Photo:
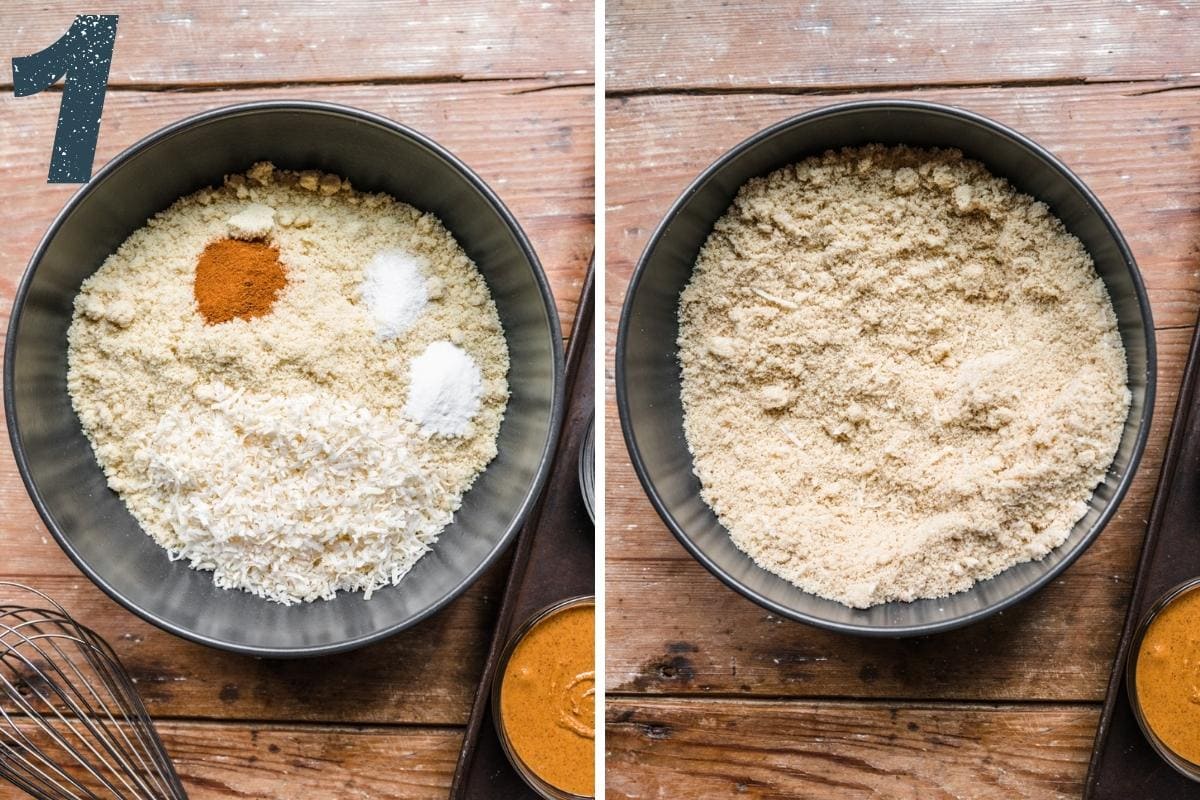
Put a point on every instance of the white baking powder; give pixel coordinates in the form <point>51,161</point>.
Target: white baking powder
<point>394,290</point>
<point>444,389</point>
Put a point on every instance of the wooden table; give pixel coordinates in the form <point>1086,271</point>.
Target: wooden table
<point>507,88</point>
<point>711,696</point>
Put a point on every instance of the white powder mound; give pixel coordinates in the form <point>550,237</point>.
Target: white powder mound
<point>900,376</point>
<point>394,289</point>
<point>290,498</point>
<point>254,221</point>
<point>444,390</point>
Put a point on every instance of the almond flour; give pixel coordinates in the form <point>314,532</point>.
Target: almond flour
<point>900,376</point>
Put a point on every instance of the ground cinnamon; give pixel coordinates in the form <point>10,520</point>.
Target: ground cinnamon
<point>236,279</point>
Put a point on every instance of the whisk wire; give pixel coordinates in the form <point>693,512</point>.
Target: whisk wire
<point>30,749</point>
<point>106,666</point>
<point>18,767</point>
<point>81,714</point>
<point>37,784</point>
<point>85,727</point>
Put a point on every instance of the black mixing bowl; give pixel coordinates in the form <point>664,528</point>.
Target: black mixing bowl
<point>56,462</point>
<point>647,366</point>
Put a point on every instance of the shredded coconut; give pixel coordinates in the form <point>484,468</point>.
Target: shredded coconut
<point>275,451</point>
<point>394,290</point>
<point>900,376</point>
<point>443,393</point>
<point>292,498</point>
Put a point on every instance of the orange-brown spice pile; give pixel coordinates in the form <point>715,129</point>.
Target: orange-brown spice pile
<point>236,279</point>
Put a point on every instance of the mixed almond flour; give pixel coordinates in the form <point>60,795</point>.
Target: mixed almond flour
<point>900,375</point>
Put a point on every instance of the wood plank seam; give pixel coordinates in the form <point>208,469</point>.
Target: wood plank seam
<point>834,699</point>
<point>296,726</point>
<point>701,90</point>
<point>853,702</point>
<point>437,80</point>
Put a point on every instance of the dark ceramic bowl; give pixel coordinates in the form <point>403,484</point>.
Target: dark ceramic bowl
<point>647,367</point>
<point>56,462</point>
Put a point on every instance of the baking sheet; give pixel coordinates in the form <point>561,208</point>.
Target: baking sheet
<point>1123,765</point>
<point>554,559</point>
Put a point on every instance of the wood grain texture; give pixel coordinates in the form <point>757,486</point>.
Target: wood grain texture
<point>425,675</point>
<point>769,750</point>
<point>828,44</point>
<point>287,762</point>
<point>225,43</point>
<point>530,140</point>
<point>717,698</point>
<point>283,762</point>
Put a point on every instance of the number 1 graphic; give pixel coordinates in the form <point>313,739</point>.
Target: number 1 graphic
<point>83,54</point>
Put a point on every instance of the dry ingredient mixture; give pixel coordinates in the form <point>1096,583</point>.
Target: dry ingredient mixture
<point>248,396</point>
<point>900,376</point>
<point>548,699</point>
<point>1167,676</point>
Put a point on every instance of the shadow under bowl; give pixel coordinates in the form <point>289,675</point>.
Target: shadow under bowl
<point>56,461</point>
<point>648,374</point>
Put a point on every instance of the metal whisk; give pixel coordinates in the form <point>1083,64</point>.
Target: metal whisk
<point>72,725</point>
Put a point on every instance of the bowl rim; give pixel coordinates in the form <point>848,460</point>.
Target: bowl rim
<point>587,468</point>
<point>684,199</point>
<point>534,490</point>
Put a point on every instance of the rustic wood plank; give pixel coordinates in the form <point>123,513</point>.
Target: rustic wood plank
<point>221,42</point>
<point>681,45</point>
<point>672,628</point>
<point>1136,151</point>
<point>762,749</point>
<point>425,675</point>
<point>281,762</point>
<point>686,654</point>
<point>535,148</point>
<point>285,762</point>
